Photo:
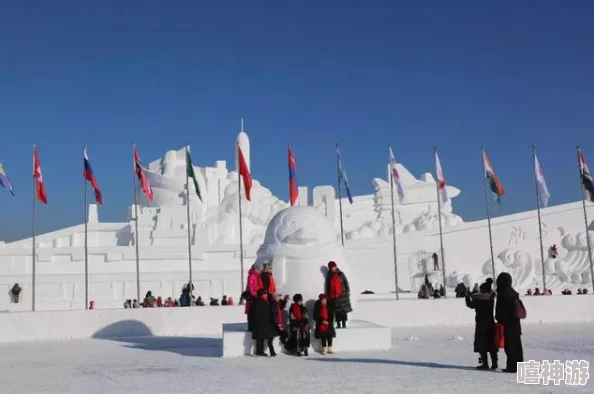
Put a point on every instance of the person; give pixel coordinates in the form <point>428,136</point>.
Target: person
<point>484,331</point>
<point>460,290</point>
<point>475,289</point>
<point>435,262</point>
<point>128,304</point>
<point>185,299</point>
<point>230,301</point>
<point>159,302</point>
<point>506,314</point>
<point>149,300</point>
<point>254,283</point>
<point>299,339</point>
<point>428,284</point>
<point>263,325</point>
<point>267,279</point>
<point>16,293</point>
<point>537,292</point>
<point>338,292</point>
<point>199,301</point>
<point>135,304</point>
<point>92,305</point>
<point>277,316</point>
<point>214,301</point>
<point>529,292</point>
<point>442,291</point>
<point>324,318</point>
<point>285,301</point>
<point>224,301</point>
<point>554,252</point>
<point>423,292</point>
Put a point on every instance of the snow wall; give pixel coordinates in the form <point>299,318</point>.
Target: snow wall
<point>207,321</point>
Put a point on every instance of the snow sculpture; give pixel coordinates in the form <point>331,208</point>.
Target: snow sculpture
<point>300,242</point>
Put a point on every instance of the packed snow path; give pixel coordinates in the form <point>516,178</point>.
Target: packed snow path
<point>426,360</point>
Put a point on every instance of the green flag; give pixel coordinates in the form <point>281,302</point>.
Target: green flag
<point>190,173</point>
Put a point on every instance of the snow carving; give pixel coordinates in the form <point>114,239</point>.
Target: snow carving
<point>300,242</point>
<point>516,235</point>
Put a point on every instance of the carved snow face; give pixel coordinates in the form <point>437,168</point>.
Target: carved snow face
<point>300,226</point>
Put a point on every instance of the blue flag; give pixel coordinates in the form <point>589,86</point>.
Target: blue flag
<point>5,181</point>
<point>342,176</point>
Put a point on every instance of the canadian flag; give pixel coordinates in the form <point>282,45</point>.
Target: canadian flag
<point>39,186</point>
<point>441,185</point>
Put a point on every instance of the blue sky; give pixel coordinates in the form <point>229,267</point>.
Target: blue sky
<point>310,73</point>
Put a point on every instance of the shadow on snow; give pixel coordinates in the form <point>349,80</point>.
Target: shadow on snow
<point>136,335</point>
<point>393,362</point>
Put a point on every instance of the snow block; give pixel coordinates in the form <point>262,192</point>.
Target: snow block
<point>360,335</point>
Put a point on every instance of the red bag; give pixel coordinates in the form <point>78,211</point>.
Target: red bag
<point>499,336</point>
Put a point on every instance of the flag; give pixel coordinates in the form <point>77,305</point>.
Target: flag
<point>5,180</point>
<point>139,170</point>
<point>39,186</point>
<point>244,172</point>
<point>396,176</point>
<point>441,185</point>
<point>293,191</point>
<point>586,177</point>
<point>491,177</point>
<point>342,176</point>
<point>541,185</point>
<point>190,173</point>
<point>90,177</point>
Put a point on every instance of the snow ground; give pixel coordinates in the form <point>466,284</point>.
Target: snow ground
<point>422,360</point>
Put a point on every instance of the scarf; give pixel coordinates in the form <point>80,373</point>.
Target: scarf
<point>335,286</point>
<point>324,317</point>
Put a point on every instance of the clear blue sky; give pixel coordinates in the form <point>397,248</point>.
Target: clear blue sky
<point>310,73</point>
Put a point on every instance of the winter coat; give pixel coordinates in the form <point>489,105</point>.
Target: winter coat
<point>254,283</point>
<point>184,300</point>
<point>343,303</point>
<point>460,290</point>
<point>295,323</point>
<point>484,330</point>
<point>268,282</point>
<point>505,310</point>
<point>331,333</point>
<point>263,325</point>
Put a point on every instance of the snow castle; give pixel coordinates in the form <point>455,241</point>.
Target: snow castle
<point>368,253</point>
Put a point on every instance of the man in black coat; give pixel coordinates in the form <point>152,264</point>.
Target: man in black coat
<point>484,331</point>
<point>505,313</point>
<point>264,327</point>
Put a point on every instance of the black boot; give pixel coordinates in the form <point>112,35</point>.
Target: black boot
<point>344,324</point>
<point>484,362</point>
<point>494,359</point>
<point>305,352</point>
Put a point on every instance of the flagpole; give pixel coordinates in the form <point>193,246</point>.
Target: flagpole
<point>190,283</point>
<point>586,220</point>
<point>240,219</point>
<point>394,230</point>
<point>488,216</point>
<point>86,242</point>
<point>134,175</point>
<point>339,196</point>
<point>443,270</point>
<point>542,259</point>
<point>33,257</point>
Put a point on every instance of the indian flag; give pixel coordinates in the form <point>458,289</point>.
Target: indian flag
<point>490,177</point>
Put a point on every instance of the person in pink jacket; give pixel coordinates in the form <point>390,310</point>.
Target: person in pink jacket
<point>254,283</point>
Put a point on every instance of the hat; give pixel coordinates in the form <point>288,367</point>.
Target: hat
<point>322,296</point>
<point>331,265</point>
<point>258,266</point>
<point>267,264</point>
<point>297,297</point>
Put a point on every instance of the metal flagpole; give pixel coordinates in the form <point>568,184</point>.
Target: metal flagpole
<point>586,220</point>
<point>86,244</point>
<point>542,259</point>
<point>190,283</point>
<point>443,270</point>
<point>33,257</point>
<point>136,225</point>
<point>488,215</point>
<point>393,229</point>
<point>339,195</point>
<point>240,220</point>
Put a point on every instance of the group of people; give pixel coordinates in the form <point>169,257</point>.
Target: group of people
<point>266,318</point>
<point>150,301</point>
<point>509,310</point>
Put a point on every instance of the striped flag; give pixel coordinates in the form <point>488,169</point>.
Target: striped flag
<point>342,176</point>
<point>543,190</point>
<point>490,177</point>
<point>142,179</point>
<point>396,176</point>
<point>90,177</point>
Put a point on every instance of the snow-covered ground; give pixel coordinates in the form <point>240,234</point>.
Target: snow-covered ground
<point>422,360</point>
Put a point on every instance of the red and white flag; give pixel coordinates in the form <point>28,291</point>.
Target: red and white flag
<point>396,176</point>
<point>39,186</point>
<point>441,185</point>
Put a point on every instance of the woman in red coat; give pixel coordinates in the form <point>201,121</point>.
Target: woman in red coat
<point>324,317</point>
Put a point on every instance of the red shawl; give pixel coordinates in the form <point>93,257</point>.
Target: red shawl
<point>296,311</point>
<point>335,286</point>
<point>324,316</point>
<point>272,285</point>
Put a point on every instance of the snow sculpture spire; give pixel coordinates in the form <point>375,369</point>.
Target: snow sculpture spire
<point>243,142</point>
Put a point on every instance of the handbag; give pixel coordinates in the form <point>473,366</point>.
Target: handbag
<point>520,309</point>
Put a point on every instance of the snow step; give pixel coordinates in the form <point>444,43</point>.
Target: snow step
<point>360,335</point>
